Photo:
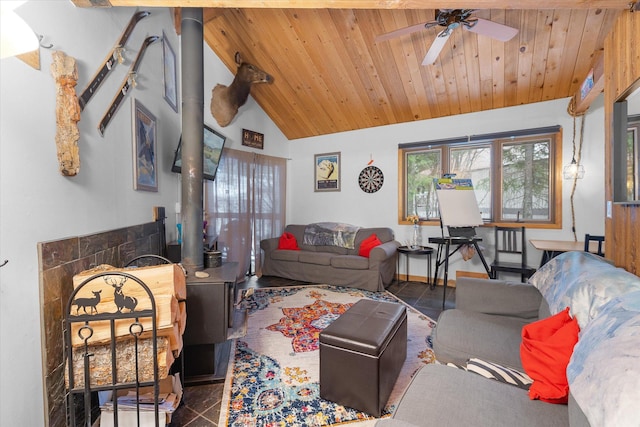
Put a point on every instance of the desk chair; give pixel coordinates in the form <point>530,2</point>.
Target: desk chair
<point>510,242</point>
<point>588,238</point>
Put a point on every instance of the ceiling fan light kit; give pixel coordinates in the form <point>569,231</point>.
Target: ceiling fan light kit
<point>452,19</point>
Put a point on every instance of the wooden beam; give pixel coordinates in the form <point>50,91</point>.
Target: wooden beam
<point>591,87</point>
<point>365,4</point>
<point>208,14</point>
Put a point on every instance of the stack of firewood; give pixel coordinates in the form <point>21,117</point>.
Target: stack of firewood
<point>119,294</point>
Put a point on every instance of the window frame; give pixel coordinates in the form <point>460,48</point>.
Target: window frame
<point>496,141</point>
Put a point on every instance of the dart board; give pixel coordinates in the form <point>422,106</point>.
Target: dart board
<point>370,179</point>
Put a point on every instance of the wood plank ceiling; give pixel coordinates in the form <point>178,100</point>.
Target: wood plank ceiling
<point>331,76</point>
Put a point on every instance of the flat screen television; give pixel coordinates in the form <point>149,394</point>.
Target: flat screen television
<point>213,145</point>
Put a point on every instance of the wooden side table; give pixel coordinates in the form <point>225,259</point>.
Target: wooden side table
<point>422,251</point>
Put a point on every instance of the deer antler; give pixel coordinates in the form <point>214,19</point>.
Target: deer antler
<point>112,281</point>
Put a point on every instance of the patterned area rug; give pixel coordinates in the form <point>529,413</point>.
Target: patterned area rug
<point>273,374</point>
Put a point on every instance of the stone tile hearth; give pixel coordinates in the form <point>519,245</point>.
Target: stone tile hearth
<point>59,261</point>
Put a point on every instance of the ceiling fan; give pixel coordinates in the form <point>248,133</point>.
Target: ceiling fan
<point>452,19</point>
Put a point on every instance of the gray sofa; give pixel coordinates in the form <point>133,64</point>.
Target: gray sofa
<point>334,265</point>
<point>603,372</point>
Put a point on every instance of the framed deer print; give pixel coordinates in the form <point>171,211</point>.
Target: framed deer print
<point>170,73</point>
<point>145,170</point>
<point>327,172</point>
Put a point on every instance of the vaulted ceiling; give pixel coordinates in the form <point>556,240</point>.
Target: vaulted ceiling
<point>331,76</point>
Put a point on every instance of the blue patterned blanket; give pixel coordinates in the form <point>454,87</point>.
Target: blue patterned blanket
<point>604,370</point>
<point>331,234</point>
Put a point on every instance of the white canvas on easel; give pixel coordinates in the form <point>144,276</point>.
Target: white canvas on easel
<point>459,207</point>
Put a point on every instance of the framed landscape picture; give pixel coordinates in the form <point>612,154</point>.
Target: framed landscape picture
<point>170,73</point>
<point>327,172</point>
<point>145,167</point>
<point>213,147</point>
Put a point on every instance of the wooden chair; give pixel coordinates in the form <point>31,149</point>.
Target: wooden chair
<point>510,243</point>
<point>588,238</point>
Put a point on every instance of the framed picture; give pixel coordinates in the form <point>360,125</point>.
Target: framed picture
<point>213,146</point>
<point>170,73</point>
<point>145,167</point>
<point>327,172</point>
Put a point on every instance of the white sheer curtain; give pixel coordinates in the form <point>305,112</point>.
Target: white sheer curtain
<point>245,204</point>
<point>269,202</point>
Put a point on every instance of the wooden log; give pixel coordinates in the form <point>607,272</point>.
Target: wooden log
<point>100,362</point>
<point>161,279</point>
<point>175,339</point>
<point>119,294</point>
<point>65,73</point>
<point>182,321</point>
<point>101,329</point>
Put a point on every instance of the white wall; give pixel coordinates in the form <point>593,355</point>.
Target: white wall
<point>38,204</point>
<point>354,206</point>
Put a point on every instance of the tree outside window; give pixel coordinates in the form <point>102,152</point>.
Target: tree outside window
<point>515,178</point>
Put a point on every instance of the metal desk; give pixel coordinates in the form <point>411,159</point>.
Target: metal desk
<point>422,250</point>
<point>443,254</point>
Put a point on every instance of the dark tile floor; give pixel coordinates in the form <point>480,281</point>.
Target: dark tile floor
<point>201,403</point>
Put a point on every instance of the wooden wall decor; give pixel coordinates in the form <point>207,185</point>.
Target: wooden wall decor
<point>65,72</point>
<point>622,69</point>
<point>252,139</point>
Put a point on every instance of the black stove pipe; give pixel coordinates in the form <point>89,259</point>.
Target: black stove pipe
<point>192,139</point>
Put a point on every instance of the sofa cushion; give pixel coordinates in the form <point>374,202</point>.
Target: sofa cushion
<point>319,258</point>
<point>351,262</point>
<point>385,234</point>
<point>498,297</point>
<point>288,241</point>
<point>604,371</point>
<point>460,335</point>
<point>439,395</point>
<point>496,372</point>
<point>582,281</point>
<point>285,255</point>
<point>500,373</point>
<point>368,244</point>
<point>297,230</point>
<point>545,351</point>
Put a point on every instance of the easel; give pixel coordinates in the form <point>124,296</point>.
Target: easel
<point>460,213</point>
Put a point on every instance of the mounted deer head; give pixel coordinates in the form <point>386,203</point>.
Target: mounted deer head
<point>225,100</point>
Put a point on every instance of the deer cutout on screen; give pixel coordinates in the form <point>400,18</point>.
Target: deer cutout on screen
<point>225,100</point>
<point>88,302</point>
<point>120,299</point>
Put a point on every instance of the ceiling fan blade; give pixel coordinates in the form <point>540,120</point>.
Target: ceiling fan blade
<point>401,32</point>
<point>436,47</point>
<point>492,29</point>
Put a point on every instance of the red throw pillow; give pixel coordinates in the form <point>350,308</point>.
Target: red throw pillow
<point>288,241</point>
<point>368,244</point>
<point>545,351</point>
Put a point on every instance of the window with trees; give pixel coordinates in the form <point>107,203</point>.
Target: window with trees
<point>516,175</point>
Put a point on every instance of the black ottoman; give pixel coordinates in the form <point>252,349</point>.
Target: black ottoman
<point>361,355</point>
